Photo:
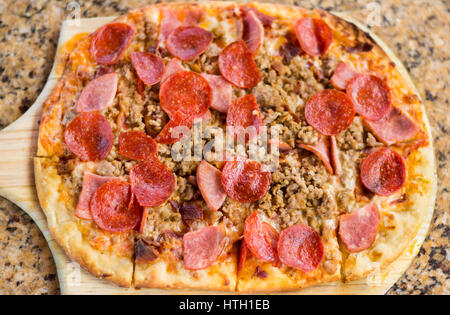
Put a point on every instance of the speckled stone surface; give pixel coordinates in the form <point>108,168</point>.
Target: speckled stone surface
<point>416,30</point>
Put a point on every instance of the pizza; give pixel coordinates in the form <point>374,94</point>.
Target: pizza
<point>233,147</point>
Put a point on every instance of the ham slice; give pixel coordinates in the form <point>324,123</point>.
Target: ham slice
<point>172,19</point>
<point>91,183</point>
<point>342,75</point>
<point>335,161</point>
<point>203,247</point>
<point>253,34</point>
<point>222,92</point>
<point>209,183</point>
<point>358,229</point>
<point>98,94</point>
<point>394,127</point>
<point>322,149</point>
<point>172,67</point>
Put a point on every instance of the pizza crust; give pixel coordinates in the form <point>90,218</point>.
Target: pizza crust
<point>65,229</point>
<point>401,222</point>
<point>166,275</point>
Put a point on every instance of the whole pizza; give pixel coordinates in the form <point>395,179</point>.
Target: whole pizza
<point>235,147</point>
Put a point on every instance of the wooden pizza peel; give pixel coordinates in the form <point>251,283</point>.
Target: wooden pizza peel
<point>18,144</point>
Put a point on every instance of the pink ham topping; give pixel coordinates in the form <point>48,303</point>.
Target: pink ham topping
<point>394,127</point>
<point>98,94</point>
<point>91,183</point>
<point>222,92</point>
<point>172,67</point>
<point>322,150</point>
<point>342,75</point>
<point>203,247</point>
<point>253,34</point>
<point>209,182</point>
<point>358,229</point>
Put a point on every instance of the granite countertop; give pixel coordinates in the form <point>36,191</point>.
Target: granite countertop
<point>416,30</point>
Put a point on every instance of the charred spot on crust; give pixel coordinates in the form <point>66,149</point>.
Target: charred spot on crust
<point>145,251</point>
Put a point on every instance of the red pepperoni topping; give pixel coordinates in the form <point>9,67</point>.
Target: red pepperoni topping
<point>383,172</point>
<point>152,183</point>
<point>358,229</point>
<point>110,41</point>
<point>260,238</point>
<point>89,136</point>
<point>91,183</point>
<point>177,127</point>
<point>98,94</point>
<point>236,64</point>
<point>203,247</point>
<point>342,76</point>
<point>314,36</point>
<point>245,116</point>
<point>210,185</point>
<point>137,145</point>
<point>329,112</point>
<point>253,34</point>
<point>244,180</point>
<point>185,92</point>
<point>112,208</point>
<point>370,96</point>
<point>300,247</point>
<point>149,68</point>
<point>188,42</point>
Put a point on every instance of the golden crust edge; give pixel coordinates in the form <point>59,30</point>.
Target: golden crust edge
<point>117,270</point>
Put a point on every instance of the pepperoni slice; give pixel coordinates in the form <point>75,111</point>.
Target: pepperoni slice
<point>98,94</point>
<point>188,42</point>
<point>383,172</point>
<point>89,136</point>
<point>137,145</point>
<point>300,247</point>
<point>152,183</point>
<point>177,127</point>
<point>236,64</point>
<point>342,75</point>
<point>329,112</point>
<point>149,67</point>
<point>260,238</point>
<point>358,229</point>
<point>203,247</point>
<point>185,92</point>
<point>253,34</point>
<point>210,185</point>
<point>222,92</point>
<point>314,36</point>
<point>91,183</point>
<point>110,41</point>
<point>370,96</point>
<point>244,180</point>
<point>112,209</point>
<point>245,116</point>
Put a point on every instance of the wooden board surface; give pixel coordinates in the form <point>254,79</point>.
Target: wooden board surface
<point>17,150</point>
